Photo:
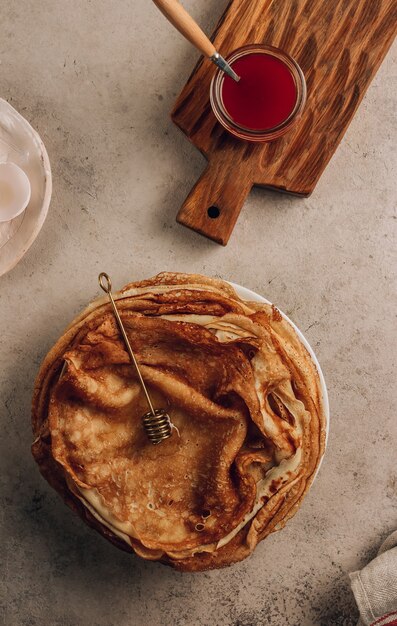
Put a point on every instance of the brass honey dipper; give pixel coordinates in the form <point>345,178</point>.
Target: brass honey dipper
<point>156,422</point>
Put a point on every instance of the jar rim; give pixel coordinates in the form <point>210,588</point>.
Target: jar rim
<point>244,132</point>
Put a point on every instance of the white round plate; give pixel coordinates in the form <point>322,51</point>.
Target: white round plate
<point>20,144</point>
<point>247,294</point>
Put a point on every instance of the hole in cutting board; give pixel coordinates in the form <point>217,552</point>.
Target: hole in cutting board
<point>213,212</point>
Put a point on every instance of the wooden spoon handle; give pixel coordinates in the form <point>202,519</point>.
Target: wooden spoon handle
<point>180,18</point>
<point>215,202</point>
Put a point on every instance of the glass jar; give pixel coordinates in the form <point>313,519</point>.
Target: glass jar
<point>273,70</point>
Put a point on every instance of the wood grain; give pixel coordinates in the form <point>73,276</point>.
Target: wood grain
<point>339,45</point>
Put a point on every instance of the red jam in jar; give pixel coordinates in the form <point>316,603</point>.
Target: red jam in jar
<point>264,97</point>
<point>266,101</point>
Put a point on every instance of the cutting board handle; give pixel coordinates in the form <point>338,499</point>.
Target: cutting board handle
<point>215,202</point>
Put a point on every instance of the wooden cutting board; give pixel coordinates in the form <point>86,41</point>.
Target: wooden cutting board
<point>339,45</point>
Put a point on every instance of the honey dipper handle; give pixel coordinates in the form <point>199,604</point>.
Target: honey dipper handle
<point>106,285</point>
<point>180,18</point>
<point>215,202</point>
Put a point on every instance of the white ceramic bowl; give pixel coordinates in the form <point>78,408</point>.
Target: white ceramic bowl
<point>14,191</point>
<point>20,144</point>
<point>247,294</point>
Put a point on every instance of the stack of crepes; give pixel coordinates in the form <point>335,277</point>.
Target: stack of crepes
<point>241,390</point>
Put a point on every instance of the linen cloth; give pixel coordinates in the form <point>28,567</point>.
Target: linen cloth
<point>375,587</point>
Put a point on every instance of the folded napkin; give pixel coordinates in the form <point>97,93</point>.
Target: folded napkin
<point>375,587</point>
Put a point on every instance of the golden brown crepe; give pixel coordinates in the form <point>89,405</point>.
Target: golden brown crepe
<point>242,391</point>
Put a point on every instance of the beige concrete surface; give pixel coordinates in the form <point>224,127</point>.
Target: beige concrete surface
<point>97,79</point>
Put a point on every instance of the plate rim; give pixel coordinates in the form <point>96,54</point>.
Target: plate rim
<point>48,187</point>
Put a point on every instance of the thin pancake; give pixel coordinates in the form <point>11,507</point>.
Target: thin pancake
<point>242,391</point>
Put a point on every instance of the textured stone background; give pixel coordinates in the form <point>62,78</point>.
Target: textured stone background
<point>97,79</point>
